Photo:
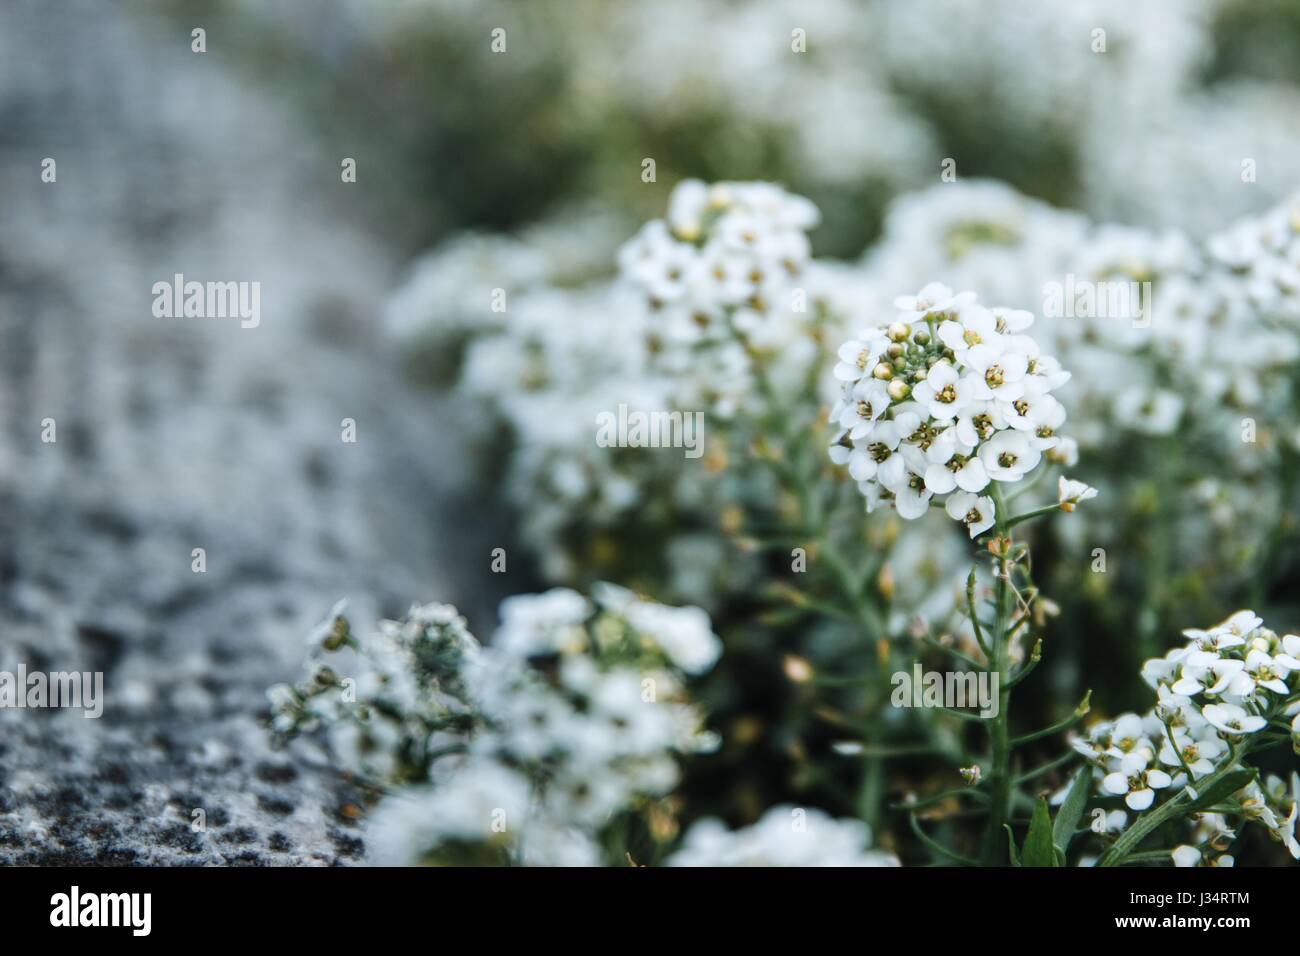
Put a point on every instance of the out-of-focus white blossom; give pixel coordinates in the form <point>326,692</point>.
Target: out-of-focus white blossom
<point>785,836</point>
<point>521,751</point>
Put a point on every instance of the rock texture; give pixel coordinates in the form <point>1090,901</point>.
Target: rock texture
<point>176,434</point>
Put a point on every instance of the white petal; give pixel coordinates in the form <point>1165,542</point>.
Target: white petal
<point>1115,783</point>
<point>1140,799</point>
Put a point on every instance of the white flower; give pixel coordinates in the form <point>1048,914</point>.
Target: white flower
<point>867,402</point>
<point>327,632</point>
<point>1186,855</point>
<point>953,466</point>
<point>1033,408</point>
<point>1044,417</point>
<point>1070,492</point>
<point>1011,321</point>
<point>658,263</point>
<point>976,512</point>
<point>1199,755</point>
<point>944,392</point>
<point>1065,452</point>
<point>1136,782</point>
<point>1241,623</point>
<point>999,372</point>
<point>859,356</point>
<point>1153,411</point>
<point>785,836</point>
<point>470,806</point>
<point>912,497</point>
<point>685,633</point>
<point>1114,821</point>
<point>546,623</point>
<point>869,459</point>
<point>1215,640</point>
<point>1205,672</point>
<point>934,299</point>
<point>978,421</point>
<point>1128,737</point>
<point>1290,655</point>
<point>1285,832</point>
<point>686,208</point>
<point>975,326</point>
<point>1008,456</point>
<point>1267,672</point>
<point>1232,719</point>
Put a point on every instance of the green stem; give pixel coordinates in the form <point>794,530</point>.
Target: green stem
<point>1000,776</point>
<point>922,804</point>
<point>936,846</point>
<point>1036,513</point>
<point>1079,713</point>
<point>1061,761</point>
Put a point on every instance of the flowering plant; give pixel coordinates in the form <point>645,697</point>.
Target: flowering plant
<point>1222,697</point>
<point>550,746</point>
<point>844,484</point>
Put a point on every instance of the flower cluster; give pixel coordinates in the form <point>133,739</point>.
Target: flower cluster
<point>726,268</point>
<point>1234,676</point>
<point>1218,696</point>
<point>948,399</point>
<point>785,836</point>
<point>523,751</point>
<point>387,702</point>
<point>727,257</point>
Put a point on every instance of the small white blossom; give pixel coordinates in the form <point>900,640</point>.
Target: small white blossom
<point>1136,782</point>
<point>975,511</point>
<point>785,836</point>
<point>1070,492</point>
<point>1232,719</point>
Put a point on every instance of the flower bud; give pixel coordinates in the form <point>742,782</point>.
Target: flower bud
<point>885,582</point>
<point>883,372</point>
<point>797,669</point>
<point>897,332</point>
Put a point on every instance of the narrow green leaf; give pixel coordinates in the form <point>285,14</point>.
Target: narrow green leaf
<point>1225,786</point>
<point>1039,850</point>
<point>1011,845</point>
<point>1067,818</point>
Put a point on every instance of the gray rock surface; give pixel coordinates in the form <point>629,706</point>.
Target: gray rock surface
<point>176,434</point>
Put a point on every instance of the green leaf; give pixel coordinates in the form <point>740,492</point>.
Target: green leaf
<point>1067,818</point>
<point>1011,845</point>
<point>1039,849</point>
<point>1225,786</point>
